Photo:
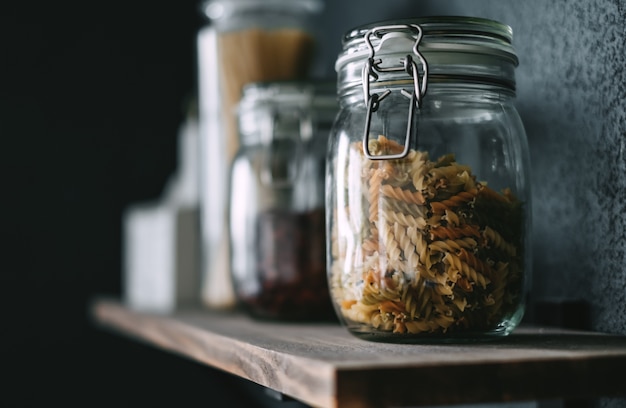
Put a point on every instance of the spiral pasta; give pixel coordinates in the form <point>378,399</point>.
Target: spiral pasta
<point>438,251</point>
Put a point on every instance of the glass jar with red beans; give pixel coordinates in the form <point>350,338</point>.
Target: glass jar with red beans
<point>277,200</point>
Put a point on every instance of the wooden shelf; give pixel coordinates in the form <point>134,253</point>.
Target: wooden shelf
<point>324,366</point>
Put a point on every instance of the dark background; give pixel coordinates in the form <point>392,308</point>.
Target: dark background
<point>91,98</point>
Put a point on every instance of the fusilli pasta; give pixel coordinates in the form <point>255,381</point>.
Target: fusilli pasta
<point>438,251</point>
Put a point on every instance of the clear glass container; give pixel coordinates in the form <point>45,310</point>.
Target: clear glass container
<point>277,211</point>
<point>428,201</point>
<point>245,41</point>
<point>259,40</point>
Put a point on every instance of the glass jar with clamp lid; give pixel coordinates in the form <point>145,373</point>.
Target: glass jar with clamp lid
<point>429,198</point>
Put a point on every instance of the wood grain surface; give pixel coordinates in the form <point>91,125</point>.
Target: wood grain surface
<point>324,366</point>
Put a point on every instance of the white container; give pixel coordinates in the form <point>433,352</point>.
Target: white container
<point>162,239</point>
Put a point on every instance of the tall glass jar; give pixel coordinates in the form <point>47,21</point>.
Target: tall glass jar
<point>429,198</point>
<point>244,41</point>
<point>277,197</point>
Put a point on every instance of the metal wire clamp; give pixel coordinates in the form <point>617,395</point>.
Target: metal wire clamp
<point>373,67</point>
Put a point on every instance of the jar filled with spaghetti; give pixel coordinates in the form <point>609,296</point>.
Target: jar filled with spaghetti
<point>277,217</point>
<point>245,41</point>
<point>428,198</point>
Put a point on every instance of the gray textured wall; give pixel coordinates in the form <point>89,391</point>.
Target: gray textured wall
<point>572,99</point>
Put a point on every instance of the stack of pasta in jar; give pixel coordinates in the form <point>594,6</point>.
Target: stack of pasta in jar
<point>436,251</point>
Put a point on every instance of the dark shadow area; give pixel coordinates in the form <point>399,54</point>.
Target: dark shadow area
<point>563,341</point>
<point>91,98</point>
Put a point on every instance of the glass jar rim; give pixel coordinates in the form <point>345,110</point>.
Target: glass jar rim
<point>307,100</point>
<point>318,93</point>
<point>454,34</point>
<point>219,9</point>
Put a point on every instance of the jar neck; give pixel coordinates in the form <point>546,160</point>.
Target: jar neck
<point>486,73</point>
<point>461,90</point>
<point>282,110</point>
